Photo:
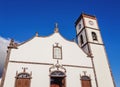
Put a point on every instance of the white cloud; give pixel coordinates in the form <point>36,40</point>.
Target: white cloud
<point>3,48</point>
<point>0,80</point>
<point>4,42</point>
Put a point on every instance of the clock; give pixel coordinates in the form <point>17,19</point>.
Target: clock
<point>91,22</point>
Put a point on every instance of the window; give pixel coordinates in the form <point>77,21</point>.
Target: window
<point>85,81</point>
<point>94,36</point>
<point>57,52</point>
<point>22,79</point>
<point>81,39</point>
<point>79,26</point>
<point>57,79</point>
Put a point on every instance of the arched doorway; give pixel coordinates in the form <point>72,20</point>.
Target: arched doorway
<point>57,79</point>
<point>85,81</point>
<point>23,80</point>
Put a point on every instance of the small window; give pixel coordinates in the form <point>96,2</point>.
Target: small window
<point>81,39</point>
<point>79,26</point>
<point>85,81</point>
<point>94,36</point>
<point>57,52</point>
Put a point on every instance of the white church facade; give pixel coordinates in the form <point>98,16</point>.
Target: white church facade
<point>56,62</point>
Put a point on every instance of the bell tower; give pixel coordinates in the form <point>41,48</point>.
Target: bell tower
<point>87,32</point>
<point>90,41</point>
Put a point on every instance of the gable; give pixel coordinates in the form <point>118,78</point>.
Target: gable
<point>40,50</point>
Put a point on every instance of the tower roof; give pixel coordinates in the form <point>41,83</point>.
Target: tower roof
<point>84,15</point>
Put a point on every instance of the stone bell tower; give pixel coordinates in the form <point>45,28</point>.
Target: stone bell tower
<point>90,40</point>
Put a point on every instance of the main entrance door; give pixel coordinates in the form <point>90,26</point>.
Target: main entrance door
<point>57,79</point>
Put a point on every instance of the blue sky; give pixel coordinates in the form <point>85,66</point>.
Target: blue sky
<point>20,19</point>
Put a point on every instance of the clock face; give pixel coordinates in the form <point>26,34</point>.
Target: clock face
<point>91,22</point>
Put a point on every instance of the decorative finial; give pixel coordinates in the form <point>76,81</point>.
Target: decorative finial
<point>56,28</point>
<point>57,65</point>
<point>84,72</point>
<point>36,34</point>
<point>57,62</point>
<point>24,69</point>
<point>12,44</point>
<point>56,25</point>
<point>56,44</point>
<point>83,12</point>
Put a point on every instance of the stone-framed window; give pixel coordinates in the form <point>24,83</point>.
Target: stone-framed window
<point>57,51</point>
<point>94,36</point>
<point>81,39</point>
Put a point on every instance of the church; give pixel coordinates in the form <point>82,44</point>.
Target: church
<point>53,61</point>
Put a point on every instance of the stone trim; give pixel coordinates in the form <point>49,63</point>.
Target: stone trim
<point>80,31</point>
<point>89,50</point>
<point>78,66</point>
<point>84,15</point>
<point>57,66</point>
<point>56,45</point>
<point>89,16</point>
<point>92,28</point>
<point>37,63</point>
<point>91,43</point>
<point>94,72</point>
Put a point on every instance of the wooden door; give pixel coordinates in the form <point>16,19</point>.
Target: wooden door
<point>22,83</point>
<point>63,82</point>
<point>54,85</point>
<point>86,83</point>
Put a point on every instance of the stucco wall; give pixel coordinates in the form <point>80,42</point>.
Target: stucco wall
<point>40,75</point>
<point>102,66</point>
<point>41,50</point>
<point>37,56</point>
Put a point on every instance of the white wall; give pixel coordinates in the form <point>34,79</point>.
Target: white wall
<point>101,66</point>
<point>40,75</point>
<point>78,29</point>
<point>103,73</point>
<point>0,80</point>
<point>88,24</point>
<point>90,39</point>
<point>40,50</point>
